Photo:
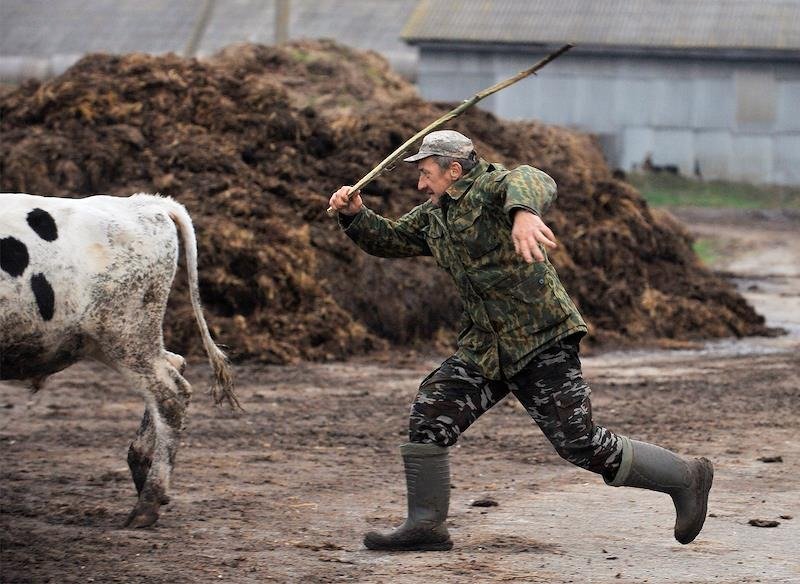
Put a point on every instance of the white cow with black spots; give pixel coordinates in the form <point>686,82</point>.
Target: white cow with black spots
<point>89,279</point>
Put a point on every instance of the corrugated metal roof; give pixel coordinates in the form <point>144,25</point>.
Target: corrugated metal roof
<point>366,24</point>
<point>47,28</point>
<point>705,24</point>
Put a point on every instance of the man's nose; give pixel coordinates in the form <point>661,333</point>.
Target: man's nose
<point>421,184</point>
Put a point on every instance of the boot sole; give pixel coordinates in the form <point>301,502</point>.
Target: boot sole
<point>441,546</point>
<point>432,547</point>
<point>703,489</point>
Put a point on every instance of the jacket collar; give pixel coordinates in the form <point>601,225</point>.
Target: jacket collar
<point>462,185</point>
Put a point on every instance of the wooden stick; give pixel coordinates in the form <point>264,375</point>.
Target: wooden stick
<point>465,105</point>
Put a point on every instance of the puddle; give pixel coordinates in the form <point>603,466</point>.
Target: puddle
<point>648,362</point>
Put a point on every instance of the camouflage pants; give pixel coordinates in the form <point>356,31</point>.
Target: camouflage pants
<point>550,388</point>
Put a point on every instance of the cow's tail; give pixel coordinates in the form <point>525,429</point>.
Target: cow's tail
<point>222,388</point>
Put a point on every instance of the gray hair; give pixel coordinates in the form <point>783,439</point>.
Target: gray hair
<point>467,164</point>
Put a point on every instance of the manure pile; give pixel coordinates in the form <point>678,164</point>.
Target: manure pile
<point>255,139</point>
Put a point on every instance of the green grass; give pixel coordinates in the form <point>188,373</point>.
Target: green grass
<point>300,55</point>
<point>706,249</point>
<point>666,190</point>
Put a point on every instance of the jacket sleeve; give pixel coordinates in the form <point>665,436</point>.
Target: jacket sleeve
<point>385,238</point>
<point>528,188</point>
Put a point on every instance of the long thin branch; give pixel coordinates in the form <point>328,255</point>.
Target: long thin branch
<point>454,113</point>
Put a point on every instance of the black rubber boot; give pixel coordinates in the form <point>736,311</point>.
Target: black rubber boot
<point>428,482</point>
<point>688,482</point>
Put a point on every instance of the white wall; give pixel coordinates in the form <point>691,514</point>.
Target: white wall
<point>731,119</point>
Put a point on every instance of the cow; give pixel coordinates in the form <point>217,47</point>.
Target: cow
<point>89,279</point>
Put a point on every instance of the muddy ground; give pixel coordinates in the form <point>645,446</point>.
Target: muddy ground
<point>284,492</point>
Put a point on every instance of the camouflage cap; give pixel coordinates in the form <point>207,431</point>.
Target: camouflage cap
<point>444,143</point>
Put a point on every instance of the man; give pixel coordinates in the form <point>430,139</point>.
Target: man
<point>482,223</point>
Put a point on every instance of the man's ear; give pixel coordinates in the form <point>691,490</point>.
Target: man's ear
<point>455,170</point>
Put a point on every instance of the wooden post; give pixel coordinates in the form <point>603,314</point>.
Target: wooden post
<point>282,10</point>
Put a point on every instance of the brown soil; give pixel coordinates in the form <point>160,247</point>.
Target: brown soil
<point>283,492</point>
<point>254,140</point>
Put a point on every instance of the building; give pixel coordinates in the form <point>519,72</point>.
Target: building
<point>42,38</point>
<point>711,87</point>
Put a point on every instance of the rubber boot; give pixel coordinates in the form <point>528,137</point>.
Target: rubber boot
<point>428,482</point>
<point>688,482</point>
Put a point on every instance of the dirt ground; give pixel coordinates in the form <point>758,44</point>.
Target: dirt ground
<point>283,492</point>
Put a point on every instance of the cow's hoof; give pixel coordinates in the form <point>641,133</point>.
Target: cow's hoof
<point>142,516</point>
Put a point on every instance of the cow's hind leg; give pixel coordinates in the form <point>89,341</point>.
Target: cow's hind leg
<point>140,452</point>
<point>167,395</point>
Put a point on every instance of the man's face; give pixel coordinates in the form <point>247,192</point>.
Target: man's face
<point>433,180</point>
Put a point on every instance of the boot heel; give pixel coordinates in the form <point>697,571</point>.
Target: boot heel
<point>705,478</point>
<point>438,547</point>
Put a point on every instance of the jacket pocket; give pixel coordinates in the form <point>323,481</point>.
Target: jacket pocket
<point>475,231</point>
<point>434,236</point>
<point>535,287</point>
<point>538,300</point>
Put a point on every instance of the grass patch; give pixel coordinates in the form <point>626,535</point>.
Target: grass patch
<point>299,55</point>
<point>666,190</point>
<point>706,250</point>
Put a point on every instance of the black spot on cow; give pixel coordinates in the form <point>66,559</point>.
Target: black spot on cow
<point>45,298</point>
<point>43,224</point>
<point>13,256</point>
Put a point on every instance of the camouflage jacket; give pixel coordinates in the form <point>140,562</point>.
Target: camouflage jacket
<point>512,310</point>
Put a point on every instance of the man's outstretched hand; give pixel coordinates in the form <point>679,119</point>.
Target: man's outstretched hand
<point>528,232</point>
<point>340,203</point>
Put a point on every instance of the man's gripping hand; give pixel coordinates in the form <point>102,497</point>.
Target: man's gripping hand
<point>340,204</point>
<point>528,232</point>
